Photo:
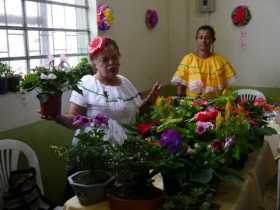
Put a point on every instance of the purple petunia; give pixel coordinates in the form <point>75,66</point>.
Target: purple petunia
<point>202,127</point>
<point>170,140</point>
<point>100,119</point>
<point>229,142</point>
<point>81,121</point>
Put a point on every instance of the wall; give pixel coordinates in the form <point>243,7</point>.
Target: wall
<point>145,53</point>
<point>257,64</point>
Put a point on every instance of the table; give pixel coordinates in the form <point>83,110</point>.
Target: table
<point>259,168</point>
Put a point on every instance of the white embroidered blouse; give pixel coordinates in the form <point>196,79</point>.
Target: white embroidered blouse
<point>121,103</point>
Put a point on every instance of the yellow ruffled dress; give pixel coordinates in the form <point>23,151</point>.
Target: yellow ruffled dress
<point>204,77</point>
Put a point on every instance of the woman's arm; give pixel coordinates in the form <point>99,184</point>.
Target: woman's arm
<point>67,120</point>
<point>151,97</point>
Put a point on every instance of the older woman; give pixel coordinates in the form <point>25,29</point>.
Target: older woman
<point>107,92</point>
<point>203,73</point>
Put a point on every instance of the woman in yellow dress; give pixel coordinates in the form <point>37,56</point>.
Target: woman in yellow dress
<point>203,73</point>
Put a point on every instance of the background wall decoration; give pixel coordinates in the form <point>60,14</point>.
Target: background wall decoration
<point>151,19</point>
<point>241,16</point>
<point>104,17</point>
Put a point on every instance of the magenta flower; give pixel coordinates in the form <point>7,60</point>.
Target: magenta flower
<point>202,127</point>
<point>217,145</point>
<point>170,140</point>
<point>100,119</point>
<point>229,142</point>
<point>81,121</point>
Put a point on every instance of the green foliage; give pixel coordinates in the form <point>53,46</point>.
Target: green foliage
<point>50,81</point>
<point>82,68</point>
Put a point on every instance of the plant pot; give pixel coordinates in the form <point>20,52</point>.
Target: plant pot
<point>3,85</point>
<point>13,83</point>
<point>89,193</point>
<point>50,105</point>
<point>155,203</point>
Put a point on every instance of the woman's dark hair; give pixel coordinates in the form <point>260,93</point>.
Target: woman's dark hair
<point>113,43</point>
<point>208,28</point>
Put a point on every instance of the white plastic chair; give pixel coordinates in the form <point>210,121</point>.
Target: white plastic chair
<point>249,94</point>
<point>10,150</point>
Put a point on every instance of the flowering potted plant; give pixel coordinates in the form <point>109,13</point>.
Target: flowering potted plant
<point>210,138</point>
<point>91,156</point>
<point>131,160</point>
<point>50,83</point>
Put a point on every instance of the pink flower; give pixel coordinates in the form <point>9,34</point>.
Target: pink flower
<point>202,127</point>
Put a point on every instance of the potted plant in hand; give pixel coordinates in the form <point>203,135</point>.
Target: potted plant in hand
<point>50,83</point>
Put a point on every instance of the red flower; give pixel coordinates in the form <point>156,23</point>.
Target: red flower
<point>206,116</point>
<point>217,145</point>
<point>259,102</point>
<point>144,128</point>
<point>200,103</point>
<point>95,46</point>
<point>241,15</point>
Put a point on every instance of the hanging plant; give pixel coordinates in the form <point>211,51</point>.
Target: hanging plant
<point>241,16</point>
<point>104,17</point>
<point>151,18</point>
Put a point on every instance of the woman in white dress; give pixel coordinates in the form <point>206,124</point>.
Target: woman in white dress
<point>107,92</point>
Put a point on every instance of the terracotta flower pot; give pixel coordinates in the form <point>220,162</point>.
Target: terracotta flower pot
<point>50,105</point>
<point>126,204</point>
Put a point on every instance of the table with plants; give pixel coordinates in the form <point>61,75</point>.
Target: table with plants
<point>211,154</point>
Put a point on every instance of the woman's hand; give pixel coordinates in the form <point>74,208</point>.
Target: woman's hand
<point>151,97</point>
<point>154,93</point>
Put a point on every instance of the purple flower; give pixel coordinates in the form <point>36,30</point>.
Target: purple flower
<point>170,140</point>
<point>217,145</point>
<point>229,142</point>
<point>202,127</point>
<point>100,119</point>
<point>81,121</point>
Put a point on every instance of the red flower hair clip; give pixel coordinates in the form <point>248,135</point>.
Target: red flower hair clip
<point>95,46</point>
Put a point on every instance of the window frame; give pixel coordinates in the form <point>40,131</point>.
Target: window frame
<point>25,28</point>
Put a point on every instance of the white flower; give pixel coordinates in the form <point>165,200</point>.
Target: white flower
<point>43,76</point>
<point>52,76</point>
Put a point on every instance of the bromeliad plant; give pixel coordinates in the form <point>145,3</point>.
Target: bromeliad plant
<point>210,138</point>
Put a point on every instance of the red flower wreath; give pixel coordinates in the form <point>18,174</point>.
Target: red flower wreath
<point>95,46</point>
<point>241,16</point>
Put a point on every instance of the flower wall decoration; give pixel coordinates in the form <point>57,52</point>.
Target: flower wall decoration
<point>151,18</point>
<point>104,17</point>
<point>241,16</point>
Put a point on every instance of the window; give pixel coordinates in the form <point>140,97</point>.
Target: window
<point>31,30</point>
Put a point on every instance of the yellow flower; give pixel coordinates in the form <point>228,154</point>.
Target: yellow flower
<point>219,120</point>
<point>228,109</point>
<point>159,101</point>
